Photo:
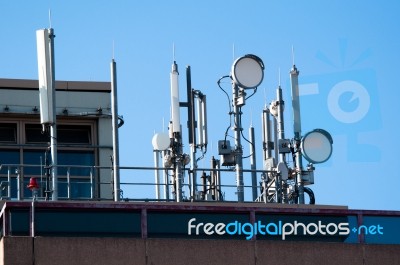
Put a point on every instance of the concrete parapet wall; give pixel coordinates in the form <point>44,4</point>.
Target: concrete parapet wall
<point>81,251</point>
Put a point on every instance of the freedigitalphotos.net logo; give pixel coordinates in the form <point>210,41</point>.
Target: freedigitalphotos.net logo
<point>281,229</point>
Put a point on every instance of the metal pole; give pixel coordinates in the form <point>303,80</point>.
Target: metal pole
<point>68,184</point>
<point>53,126</point>
<point>193,174</point>
<point>18,171</point>
<point>91,183</point>
<point>294,74</point>
<point>157,172</point>
<point>114,107</point>
<point>253,163</point>
<point>238,145</point>
<point>281,136</point>
<point>191,133</point>
<point>218,180</point>
<point>33,216</point>
<point>281,126</point>
<point>9,182</point>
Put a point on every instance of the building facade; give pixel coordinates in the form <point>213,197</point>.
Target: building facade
<point>84,136</point>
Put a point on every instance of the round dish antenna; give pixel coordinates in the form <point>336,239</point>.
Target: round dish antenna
<point>248,71</point>
<point>317,146</point>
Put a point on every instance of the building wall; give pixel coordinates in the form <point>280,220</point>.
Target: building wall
<point>67,250</point>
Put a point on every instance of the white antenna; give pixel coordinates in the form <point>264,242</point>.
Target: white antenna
<point>174,76</point>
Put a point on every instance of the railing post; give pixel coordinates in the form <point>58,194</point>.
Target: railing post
<point>91,183</point>
<point>9,182</point>
<point>18,172</point>
<point>68,183</point>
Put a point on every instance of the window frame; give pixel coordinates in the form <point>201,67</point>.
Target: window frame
<point>22,146</point>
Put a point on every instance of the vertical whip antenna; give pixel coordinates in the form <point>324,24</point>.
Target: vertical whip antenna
<point>265,97</point>
<point>251,117</point>
<point>113,49</point>
<point>279,76</point>
<point>173,51</point>
<point>233,52</point>
<point>293,54</point>
<point>50,17</point>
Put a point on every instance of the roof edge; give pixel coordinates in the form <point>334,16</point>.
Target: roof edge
<point>31,84</point>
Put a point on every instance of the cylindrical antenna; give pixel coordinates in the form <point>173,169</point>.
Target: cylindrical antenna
<point>294,81</point>
<point>266,137</point>
<point>204,125</point>
<point>200,121</point>
<point>176,127</point>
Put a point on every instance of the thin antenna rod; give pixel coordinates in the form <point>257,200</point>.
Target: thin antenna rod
<point>293,54</point>
<point>50,17</point>
<point>251,117</point>
<point>113,50</point>
<point>173,51</point>
<point>279,76</point>
<point>265,97</point>
<point>233,52</point>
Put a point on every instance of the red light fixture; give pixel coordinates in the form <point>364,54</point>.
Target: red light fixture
<point>33,184</point>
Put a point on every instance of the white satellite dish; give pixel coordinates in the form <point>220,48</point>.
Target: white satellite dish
<point>248,71</point>
<point>160,141</point>
<point>317,146</point>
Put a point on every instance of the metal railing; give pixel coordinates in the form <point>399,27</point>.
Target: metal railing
<point>15,181</point>
<point>136,184</point>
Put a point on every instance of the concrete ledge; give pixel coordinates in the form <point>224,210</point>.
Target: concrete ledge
<point>77,251</point>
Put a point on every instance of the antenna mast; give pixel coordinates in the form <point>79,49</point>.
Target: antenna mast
<point>114,107</point>
<point>294,82</point>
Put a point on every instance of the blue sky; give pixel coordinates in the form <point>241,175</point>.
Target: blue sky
<point>336,43</point>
